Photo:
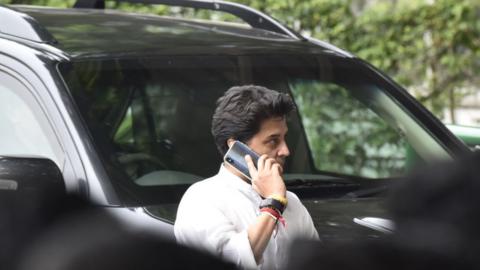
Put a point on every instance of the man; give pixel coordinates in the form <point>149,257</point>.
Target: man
<point>248,223</point>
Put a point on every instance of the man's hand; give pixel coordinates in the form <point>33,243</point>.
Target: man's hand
<point>267,180</point>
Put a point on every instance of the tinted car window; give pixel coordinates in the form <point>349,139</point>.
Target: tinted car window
<point>345,135</point>
<point>151,118</point>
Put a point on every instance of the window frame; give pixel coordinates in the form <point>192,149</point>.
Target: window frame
<point>26,93</point>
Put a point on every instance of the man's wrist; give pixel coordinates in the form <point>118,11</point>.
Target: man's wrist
<point>280,198</point>
<point>274,204</point>
<point>276,216</point>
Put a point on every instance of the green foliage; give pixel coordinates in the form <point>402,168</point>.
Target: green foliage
<point>53,3</point>
<point>431,49</point>
<point>344,135</point>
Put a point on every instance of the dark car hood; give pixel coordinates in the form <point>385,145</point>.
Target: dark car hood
<point>334,218</point>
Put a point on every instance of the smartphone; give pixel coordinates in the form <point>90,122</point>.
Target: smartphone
<point>235,156</point>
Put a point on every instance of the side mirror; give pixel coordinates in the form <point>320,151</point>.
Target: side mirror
<point>31,192</point>
<point>26,176</point>
<point>31,188</point>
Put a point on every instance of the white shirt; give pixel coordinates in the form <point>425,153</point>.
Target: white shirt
<point>214,215</point>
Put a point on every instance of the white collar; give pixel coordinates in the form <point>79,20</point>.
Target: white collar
<point>233,180</point>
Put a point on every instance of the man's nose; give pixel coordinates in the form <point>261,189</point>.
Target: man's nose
<point>284,151</point>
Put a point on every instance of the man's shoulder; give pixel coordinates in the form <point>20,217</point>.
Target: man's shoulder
<point>211,187</point>
<point>294,202</point>
<point>205,184</point>
<point>292,197</point>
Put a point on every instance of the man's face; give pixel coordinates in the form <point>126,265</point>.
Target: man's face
<point>270,139</point>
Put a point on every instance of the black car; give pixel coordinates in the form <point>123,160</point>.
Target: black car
<point>122,103</point>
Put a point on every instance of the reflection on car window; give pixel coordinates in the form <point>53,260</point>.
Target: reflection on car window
<point>150,118</point>
<point>346,136</point>
<point>25,128</point>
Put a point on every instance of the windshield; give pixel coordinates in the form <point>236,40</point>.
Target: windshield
<point>150,119</point>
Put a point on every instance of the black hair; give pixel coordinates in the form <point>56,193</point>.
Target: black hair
<point>242,109</point>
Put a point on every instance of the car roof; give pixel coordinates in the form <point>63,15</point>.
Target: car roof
<point>91,33</point>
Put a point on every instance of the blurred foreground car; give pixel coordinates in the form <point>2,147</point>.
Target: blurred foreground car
<point>122,103</point>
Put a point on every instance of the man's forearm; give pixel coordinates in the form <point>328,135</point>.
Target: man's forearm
<point>260,233</point>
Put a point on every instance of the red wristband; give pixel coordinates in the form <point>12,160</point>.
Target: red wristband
<point>274,213</point>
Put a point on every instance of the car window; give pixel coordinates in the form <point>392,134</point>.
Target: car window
<point>25,128</point>
<point>345,135</point>
<point>351,122</point>
<point>470,135</point>
<point>159,131</point>
<point>150,118</point>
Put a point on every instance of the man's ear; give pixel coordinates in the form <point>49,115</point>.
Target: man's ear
<point>230,142</point>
